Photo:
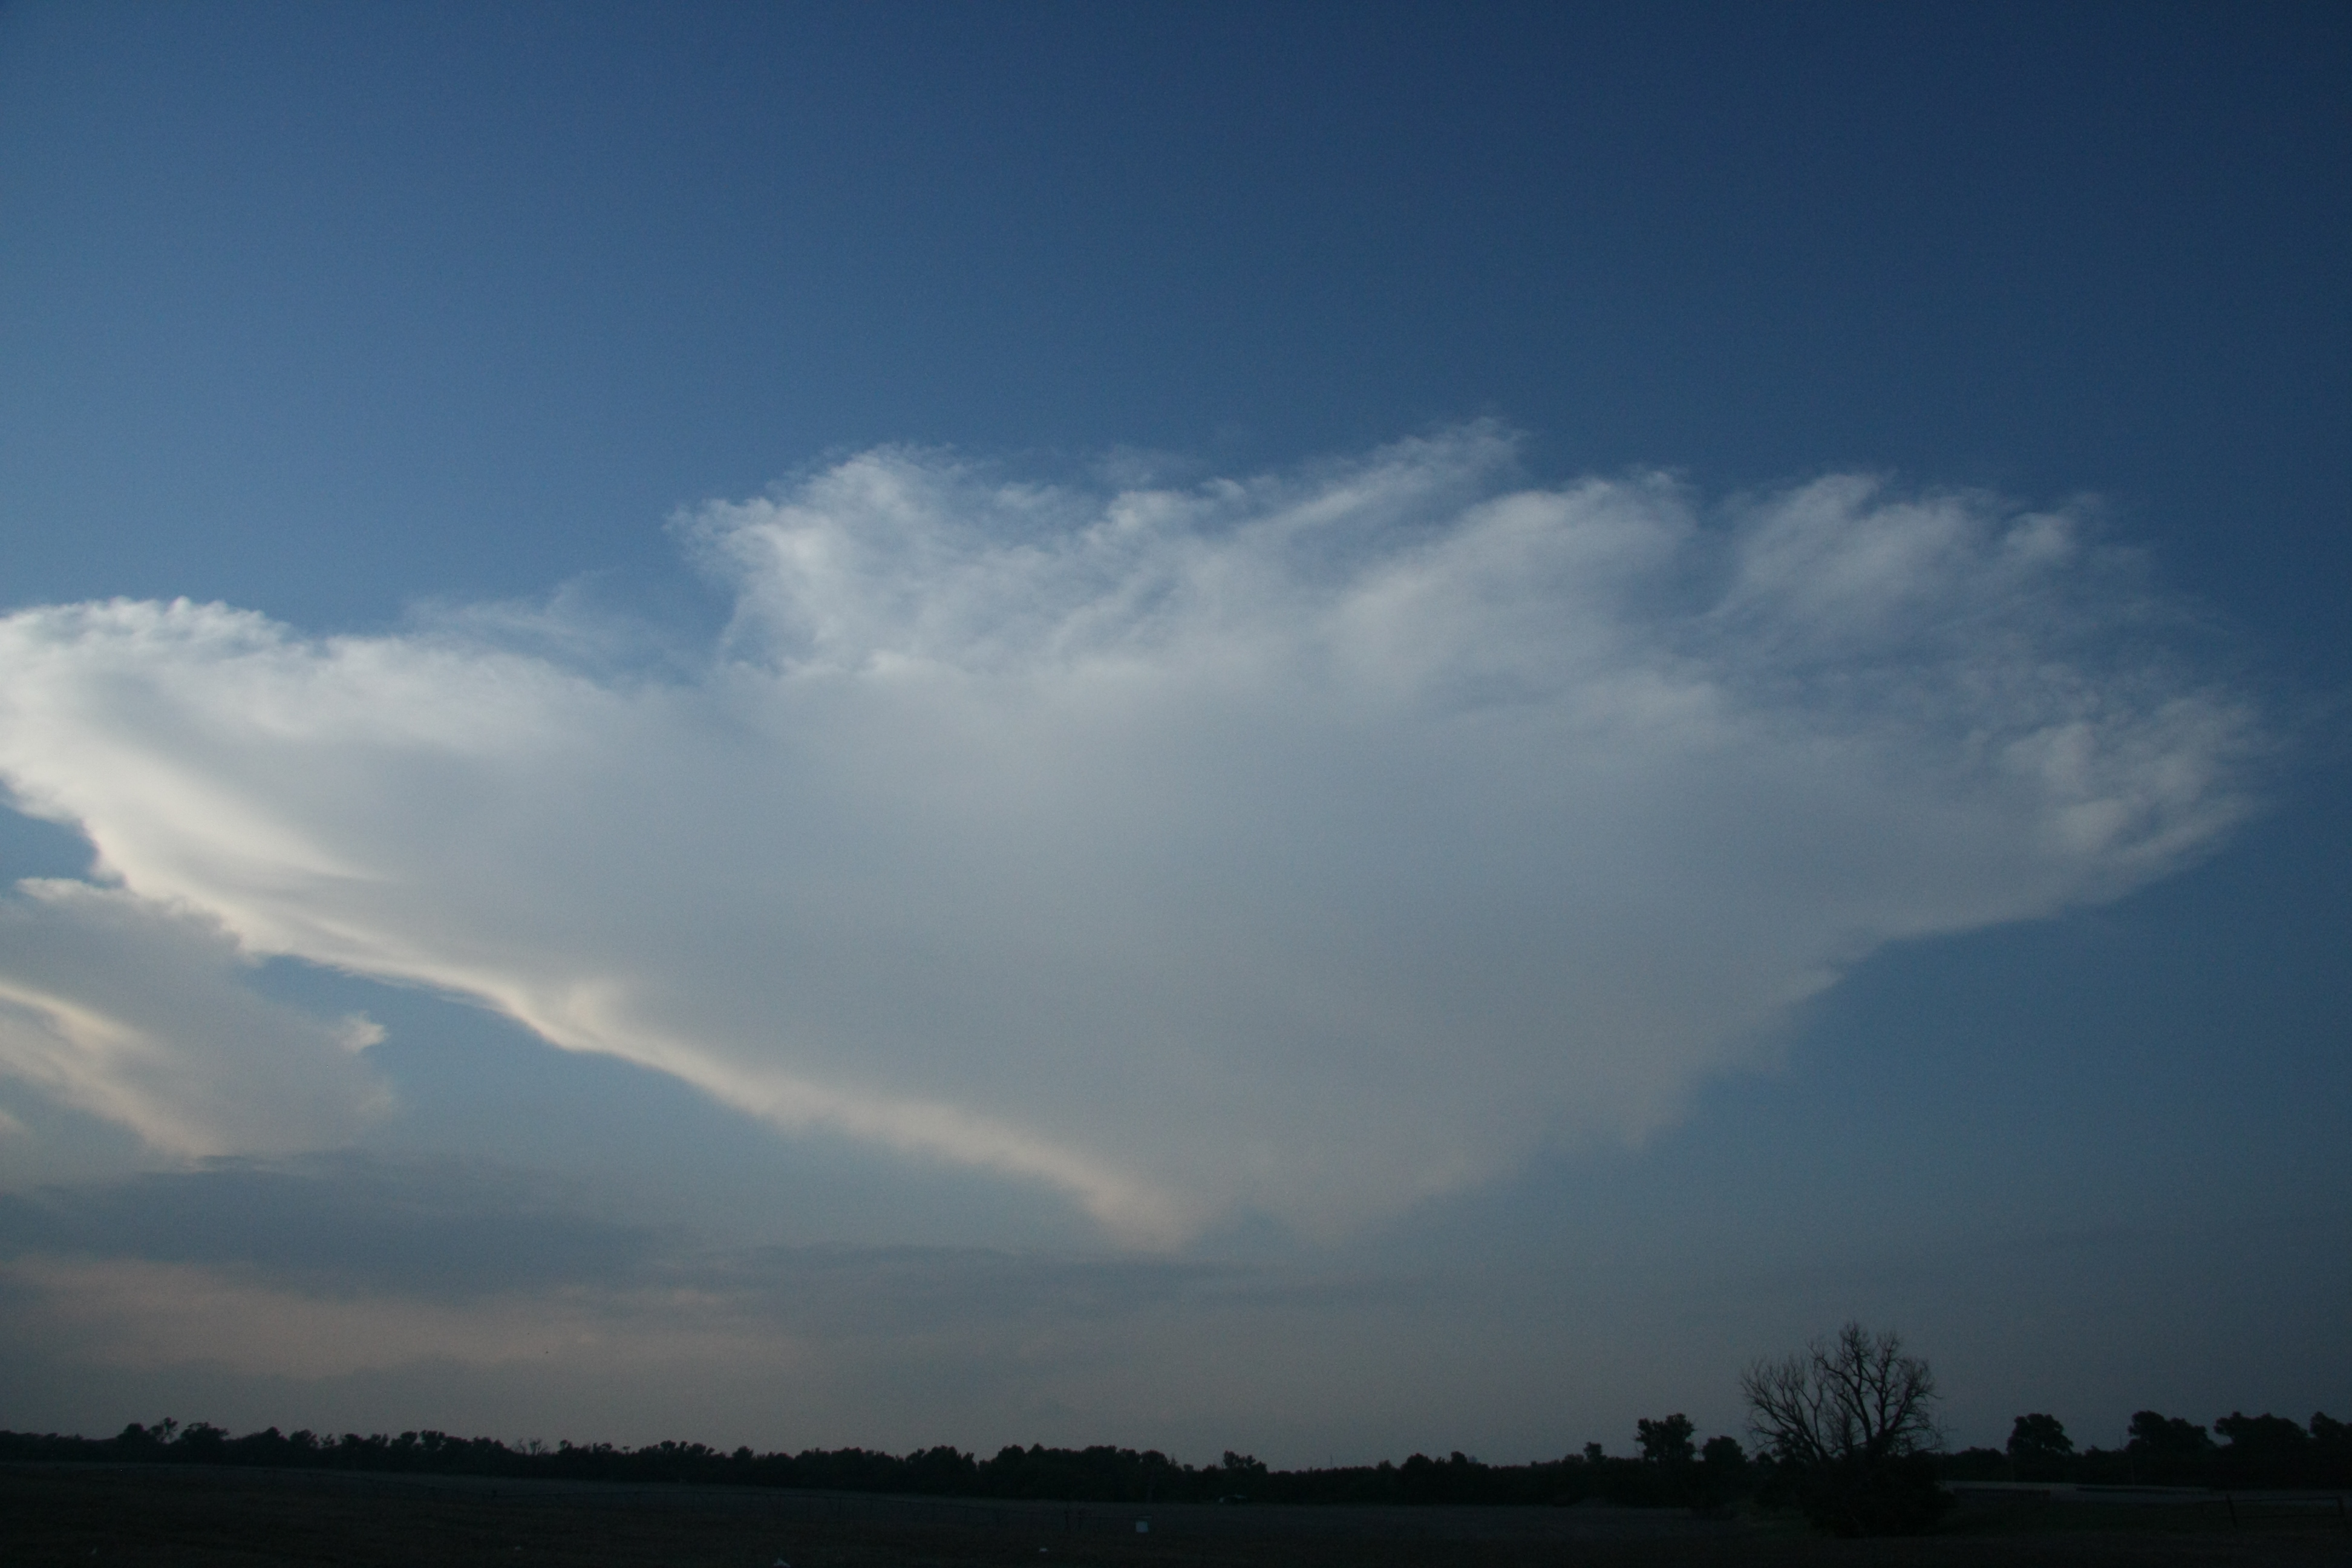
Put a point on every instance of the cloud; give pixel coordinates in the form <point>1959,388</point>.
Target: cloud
<point>337,1225</point>
<point>1307,844</point>
<point>292,1275</point>
<point>351,1293</point>
<point>132,1010</point>
<point>131,1312</point>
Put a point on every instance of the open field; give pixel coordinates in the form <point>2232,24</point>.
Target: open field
<point>186,1517</point>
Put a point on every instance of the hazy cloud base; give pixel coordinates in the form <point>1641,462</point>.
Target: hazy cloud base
<point>1307,844</point>
<point>309,1287</point>
<point>352,1294</point>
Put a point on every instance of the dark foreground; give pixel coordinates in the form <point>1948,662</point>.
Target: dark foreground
<point>184,1517</point>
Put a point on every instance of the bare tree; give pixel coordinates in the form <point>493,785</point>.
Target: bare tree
<point>1846,1414</point>
<point>1854,1398</point>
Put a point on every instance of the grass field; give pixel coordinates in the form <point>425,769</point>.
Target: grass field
<point>174,1516</point>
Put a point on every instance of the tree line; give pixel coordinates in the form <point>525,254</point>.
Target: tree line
<point>1849,1426</point>
<point>1669,1470</point>
<point>1844,1431</point>
<point>2254,1452</point>
<point>1098,1474</point>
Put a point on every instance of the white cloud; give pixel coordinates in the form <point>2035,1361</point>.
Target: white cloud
<point>132,1011</point>
<point>1311,842</point>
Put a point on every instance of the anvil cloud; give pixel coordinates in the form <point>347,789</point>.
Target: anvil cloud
<point>1304,845</point>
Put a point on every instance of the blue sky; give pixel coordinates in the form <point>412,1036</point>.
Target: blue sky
<point>1317,729</point>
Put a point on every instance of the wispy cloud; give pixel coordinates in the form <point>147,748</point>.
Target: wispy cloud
<point>130,1009</point>
<point>1307,844</point>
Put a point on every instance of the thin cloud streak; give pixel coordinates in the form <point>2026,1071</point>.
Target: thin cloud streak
<point>132,1010</point>
<point>1306,844</point>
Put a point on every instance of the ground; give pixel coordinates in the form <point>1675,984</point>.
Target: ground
<point>184,1516</point>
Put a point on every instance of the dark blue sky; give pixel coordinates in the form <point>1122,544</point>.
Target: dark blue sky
<point>333,313</point>
<point>496,287</point>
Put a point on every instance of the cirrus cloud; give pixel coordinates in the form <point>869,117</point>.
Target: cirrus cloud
<point>1307,844</point>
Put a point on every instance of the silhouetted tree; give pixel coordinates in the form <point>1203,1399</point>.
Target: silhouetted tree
<point>1666,1443</point>
<point>1853,1420</point>
<point>2166,1448</point>
<point>2039,1448</point>
<point>2331,1450</point>
<point>1662,1476</point>
<point>2266,1450</point>
<point>1245,1475</point>
<point>1721,1474</point>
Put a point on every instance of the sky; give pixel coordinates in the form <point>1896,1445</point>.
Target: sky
<point>1320,729</point>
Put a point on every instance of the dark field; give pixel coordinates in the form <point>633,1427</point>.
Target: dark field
<point>257,1519</point>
